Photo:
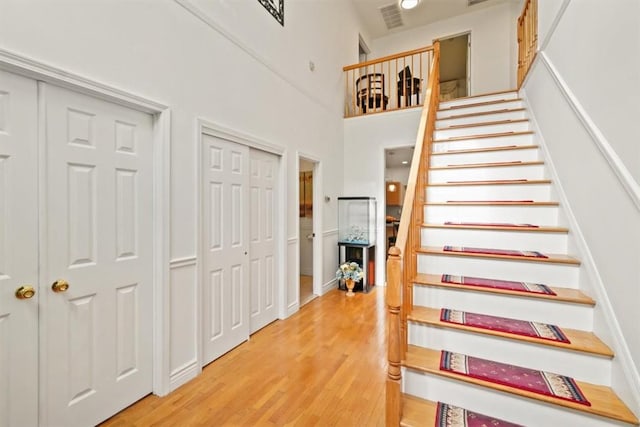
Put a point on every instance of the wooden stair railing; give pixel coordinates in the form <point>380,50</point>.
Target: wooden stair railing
<point>527,38</point>
<point>402,261</point>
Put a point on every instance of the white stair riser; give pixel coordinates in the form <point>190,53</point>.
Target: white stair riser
<point>526,271</point>
<point>537,192</point>
<point>487,173</point>
<point>444,112</point>
<point>481,130</point>
<point>498,404</point>
<point>497,239</point>
<point>547,215</point>
<point>568,315</point>
<point>479,99</point>
<point>496,141</point>
<point>524,155</point>
<point>578,365</point>
<point>497,116</point>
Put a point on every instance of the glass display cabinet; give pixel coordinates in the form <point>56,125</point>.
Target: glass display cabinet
<point>357,237</point>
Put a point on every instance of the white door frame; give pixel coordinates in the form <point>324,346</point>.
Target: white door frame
<point>206,127</point>
<point>317,223</point>
<point>44,73</point>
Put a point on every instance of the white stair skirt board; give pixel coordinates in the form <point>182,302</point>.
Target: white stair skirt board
<point>524,155</point>
<point>444,113</point>
<point>478,99</point>
<point>481,130</point>
<point>498,404</point>
<point>499,114</point>
<point>497,239</point>
<point>547,215</point>
<point>526,271</point>
<point>518,139</point>
<point>489,192</point>
<point>563,314</point>
<point>512,171</point>
<point>578,365</point>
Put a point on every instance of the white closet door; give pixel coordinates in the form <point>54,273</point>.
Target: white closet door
<point>225,221</point>
<point>18,251</point>
<point>262,250</point>
<point>96,343</point>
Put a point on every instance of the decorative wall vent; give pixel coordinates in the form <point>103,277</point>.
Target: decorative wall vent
<point>391,15</point>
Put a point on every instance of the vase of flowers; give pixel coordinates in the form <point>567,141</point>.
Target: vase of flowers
<point>351,273</point>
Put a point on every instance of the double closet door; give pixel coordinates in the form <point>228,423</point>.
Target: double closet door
<point>76,255</point>
<point>239,213</point>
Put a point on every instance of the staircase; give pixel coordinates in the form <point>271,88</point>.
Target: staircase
<point>488,190</point>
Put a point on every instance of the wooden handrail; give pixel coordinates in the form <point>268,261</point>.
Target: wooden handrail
<point>527,38</point>
<point>388,58</point>
<point>402,261</point>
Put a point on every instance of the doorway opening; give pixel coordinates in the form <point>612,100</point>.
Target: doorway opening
<point>455,76</point>
<point>363,50</point>
<point>396,176</point>
<point>306,233</point>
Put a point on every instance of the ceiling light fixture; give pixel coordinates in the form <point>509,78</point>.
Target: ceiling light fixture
<point>405,162</point>
<point>408,4</point>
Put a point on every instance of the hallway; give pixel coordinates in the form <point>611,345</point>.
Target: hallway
<point>325,365</point>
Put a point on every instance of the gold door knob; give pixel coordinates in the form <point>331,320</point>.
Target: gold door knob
<point>60,286</point>
<point>25,292</point>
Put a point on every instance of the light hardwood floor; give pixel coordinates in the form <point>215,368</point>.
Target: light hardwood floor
<point>306,289</point>
<point>324,366</point>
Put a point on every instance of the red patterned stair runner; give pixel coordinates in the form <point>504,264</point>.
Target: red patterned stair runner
<point>481,282</point>
<point>488,251</point>
<point>503,324</point>
<point>454,416</point>
<point>492,224</point>
<point>539,382</point>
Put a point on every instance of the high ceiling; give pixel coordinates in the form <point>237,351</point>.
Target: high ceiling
<point>426,12</point>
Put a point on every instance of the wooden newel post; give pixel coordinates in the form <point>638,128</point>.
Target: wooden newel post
<point>393,409</point>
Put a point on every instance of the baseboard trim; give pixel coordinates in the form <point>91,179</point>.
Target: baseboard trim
<point>330,285</point>
<point>184,374</point>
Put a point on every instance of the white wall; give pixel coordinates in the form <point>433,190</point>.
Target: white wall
<point>493,31</point>
<point>250,75</point>
<point>581,91</point>
<point>365,139</point>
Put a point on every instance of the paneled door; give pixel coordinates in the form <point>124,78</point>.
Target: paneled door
<point>225,228</point>
<point>18,251</point>
<point>262,246</point>
<point>97,259</point>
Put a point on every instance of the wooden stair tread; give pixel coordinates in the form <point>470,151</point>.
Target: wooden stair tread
<point>471,125</point>
<point>481,95</point>
<point>491,203</point>
<point>417,412</point>
<point>484,135</point>
<point>486,165</point>
<point>490,182</point>
<point>562,294</point>
<point>581,341</point>
<point>487,149</point>
<point>604,401</point>
<point>479,104</point>
<point>552,258</point>
<point>539,229</point>
<point>482,113</point>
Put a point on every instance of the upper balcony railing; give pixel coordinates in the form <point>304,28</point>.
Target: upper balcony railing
<point>385,84</point>
<point>527,38</point>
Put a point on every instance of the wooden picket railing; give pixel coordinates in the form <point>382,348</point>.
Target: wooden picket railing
<point>527,38</point>
<point>385,84</point>
<point>402,261</point>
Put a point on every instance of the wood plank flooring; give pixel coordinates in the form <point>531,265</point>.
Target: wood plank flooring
<point>323,366</point>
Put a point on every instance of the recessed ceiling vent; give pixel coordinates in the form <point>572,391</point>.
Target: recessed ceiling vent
<point>391,15</point>
<point>472,2</point>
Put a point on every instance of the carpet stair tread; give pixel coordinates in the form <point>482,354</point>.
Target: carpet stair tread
<point>485,149</point>
<point>492,203</point>
<point>604,401</point>
<point>551,258</point>
<point>485,165</point>
<point>562,294</point>
<point>483,135</point>
<point>483,113</point>
<point>582,341</point>
<point>470,125</point>
<point>491,182</point>
<point>504,227</point>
